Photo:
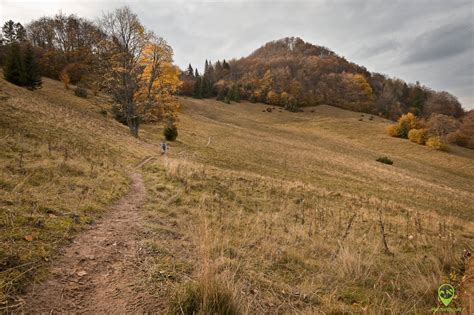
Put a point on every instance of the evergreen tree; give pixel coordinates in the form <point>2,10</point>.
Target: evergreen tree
<point>13,69</point>
<point>206,68</point>
<point>198,87</point>
<point>218,71</point>
<point>8,30</point>
<point>190,71</point>
<point>32,76</point>
<point>196,73</point>
<point>20,32</point>
<point>225,65</point>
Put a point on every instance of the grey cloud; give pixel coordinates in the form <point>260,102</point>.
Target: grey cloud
<point>444,42</point>
<point>378,48</point>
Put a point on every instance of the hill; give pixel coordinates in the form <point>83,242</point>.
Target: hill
<point>251,211</point>
<point>292,73</point>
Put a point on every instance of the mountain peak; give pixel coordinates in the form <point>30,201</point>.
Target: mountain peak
<point>291,46</point>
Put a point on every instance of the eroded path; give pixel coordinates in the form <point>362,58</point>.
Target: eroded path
<point>97,272</point>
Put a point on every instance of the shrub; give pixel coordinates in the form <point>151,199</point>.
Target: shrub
<point>204,297</point>
<point>392,130</point>
<point>384,160</point>
<point>273,98</point>
<point>405,123</point>
<point>292,104</point>
<point>81,92</point>
<point>418,136</point>
<point>170,133</point>
<point>436,143</point>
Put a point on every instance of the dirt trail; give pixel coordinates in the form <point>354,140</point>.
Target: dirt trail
<point>96,273</point>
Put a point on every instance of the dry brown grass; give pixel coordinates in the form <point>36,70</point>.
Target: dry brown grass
<point>271,198</point>
<point>252,212</point>
<point>62,163</point>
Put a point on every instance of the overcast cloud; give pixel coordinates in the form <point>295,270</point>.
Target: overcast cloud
<point>427,41</point>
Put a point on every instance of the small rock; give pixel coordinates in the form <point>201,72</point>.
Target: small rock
<point>81,273</point>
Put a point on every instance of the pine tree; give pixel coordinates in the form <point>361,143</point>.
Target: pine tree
<point>8,30</point>
<point>196,73</point>
<point>190,71</point>
<point>32,76</point>
<point>198,87</point>
<point>206,68</point>
<point>218,71</point>
<point>20,32</point>
<point>225,65</point>
<point>13,69</point>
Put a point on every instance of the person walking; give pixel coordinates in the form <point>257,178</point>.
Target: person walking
<point>163,148</point>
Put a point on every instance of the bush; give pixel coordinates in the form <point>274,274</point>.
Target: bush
<point>406,123</point>
<point>384,160</point>
<point>436,143</point>
<point>171,133</point>
<point>392,130</point>
<point>418,136</point>
<point>81,92</point>
<point>204,297</point>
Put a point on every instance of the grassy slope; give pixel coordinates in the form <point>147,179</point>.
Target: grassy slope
<point>61,163</point>
<point>265,203</point>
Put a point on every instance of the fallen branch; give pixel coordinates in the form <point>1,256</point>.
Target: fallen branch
<point>382,231</point>
<point>346,233</point>
<point>146,161</point>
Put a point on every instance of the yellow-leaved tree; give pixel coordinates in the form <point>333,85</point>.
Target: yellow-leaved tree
<point>157,83</point>
<point>137,70</point>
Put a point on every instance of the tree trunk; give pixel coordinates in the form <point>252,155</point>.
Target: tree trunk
<point>134,124</point>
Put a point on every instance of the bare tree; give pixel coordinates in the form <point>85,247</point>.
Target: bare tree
<point>125,41</point>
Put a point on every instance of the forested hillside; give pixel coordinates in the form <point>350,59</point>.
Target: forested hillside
<point>292,73</point>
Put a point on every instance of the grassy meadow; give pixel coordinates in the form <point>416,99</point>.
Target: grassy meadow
<point>250,212</point>
<point>277,212</point>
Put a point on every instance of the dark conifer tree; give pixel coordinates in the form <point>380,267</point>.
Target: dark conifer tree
<point>225,65</point>
<point>206,68</point>
<point>196,73</point>
<point>20,32</point>
<point>190,71</point>
<point>198,87</point>
<point>32,75</point>
<point>8,30</point>
<point>13,69</point>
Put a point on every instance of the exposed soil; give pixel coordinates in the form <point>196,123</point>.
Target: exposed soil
<point>97,272</point>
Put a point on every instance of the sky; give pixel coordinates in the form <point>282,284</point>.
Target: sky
<point>427,41</point>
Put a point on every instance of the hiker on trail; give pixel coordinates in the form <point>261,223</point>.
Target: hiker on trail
<point>163,148</point>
